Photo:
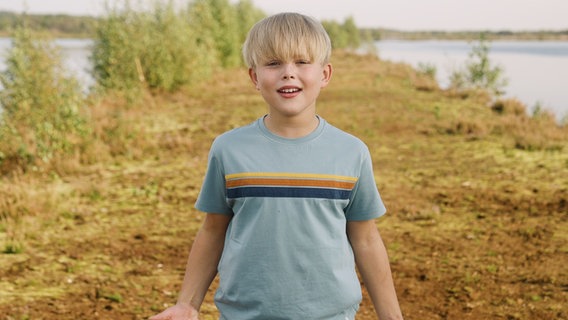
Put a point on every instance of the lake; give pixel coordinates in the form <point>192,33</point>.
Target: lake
<point>537,71</point>
<point>75,55</point>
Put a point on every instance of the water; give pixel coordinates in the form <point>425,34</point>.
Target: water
<point>537,71</point>
<point>75,57</point>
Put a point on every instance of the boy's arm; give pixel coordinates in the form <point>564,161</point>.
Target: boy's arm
<point>373,264</point>
<point>201,268</point>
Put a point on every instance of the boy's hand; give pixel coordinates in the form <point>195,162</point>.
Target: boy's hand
<point>179,311</point>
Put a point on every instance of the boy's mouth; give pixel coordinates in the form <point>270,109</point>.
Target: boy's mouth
<point>288,90</point>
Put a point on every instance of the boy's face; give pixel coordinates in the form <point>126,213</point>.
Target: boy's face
<point>290,87</point>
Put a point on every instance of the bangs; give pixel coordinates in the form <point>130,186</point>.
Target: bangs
<point>287,36</point>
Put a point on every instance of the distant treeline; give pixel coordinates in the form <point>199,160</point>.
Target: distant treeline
<point>57,25</point>
<point>344,34</point>
<point>84,27</point>
<point>382,33</point>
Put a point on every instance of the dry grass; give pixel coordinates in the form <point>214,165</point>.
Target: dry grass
<point>476,223</point>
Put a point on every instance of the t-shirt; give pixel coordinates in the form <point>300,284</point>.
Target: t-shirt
<point>286,253</point>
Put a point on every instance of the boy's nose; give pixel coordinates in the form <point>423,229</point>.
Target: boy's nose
<point>289,71</point>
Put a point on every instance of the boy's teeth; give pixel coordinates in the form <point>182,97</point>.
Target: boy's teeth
<point>289,90</point>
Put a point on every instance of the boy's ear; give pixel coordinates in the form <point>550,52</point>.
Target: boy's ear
<point>253,77</point>
<point>327,71</point>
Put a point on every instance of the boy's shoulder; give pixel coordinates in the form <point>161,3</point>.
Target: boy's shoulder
<point>235,137</point>
<point>238,132</point>
<point>345,138</point>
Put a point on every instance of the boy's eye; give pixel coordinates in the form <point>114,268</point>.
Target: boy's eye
<point>275,63</point>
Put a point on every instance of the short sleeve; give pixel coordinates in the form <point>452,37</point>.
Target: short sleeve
<point>365,202</point>
<point>212,197</point>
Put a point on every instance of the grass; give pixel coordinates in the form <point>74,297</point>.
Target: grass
<point>475,226</point>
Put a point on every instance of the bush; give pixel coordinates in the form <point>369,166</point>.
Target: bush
<point>479,73</point>
<point>43,113</point>
<point>116,52</point>
<point>170,56</point>
<point>217,20</point>
<point>345,35</point>
<point>509,107</point>
<point>247,16</point>
<point>165,49</point>
<point>133,50</point>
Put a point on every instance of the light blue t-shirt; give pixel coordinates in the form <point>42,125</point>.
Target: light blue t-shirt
<point>286,253</point>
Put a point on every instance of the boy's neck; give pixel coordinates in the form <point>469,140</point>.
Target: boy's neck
<point>291,128</point>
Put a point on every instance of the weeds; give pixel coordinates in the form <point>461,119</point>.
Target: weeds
<point>537,132</point>
<point>13,247</point>
<point>427,69</point>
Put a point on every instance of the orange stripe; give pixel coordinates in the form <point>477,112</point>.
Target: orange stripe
<point>290,182</point>
<point>276,175</point>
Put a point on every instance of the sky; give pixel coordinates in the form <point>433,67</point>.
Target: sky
<point>450,15</point>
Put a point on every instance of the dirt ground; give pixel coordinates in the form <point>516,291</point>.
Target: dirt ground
<point>476,229</point>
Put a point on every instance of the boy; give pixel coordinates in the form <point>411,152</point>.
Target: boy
<point>290,199</point>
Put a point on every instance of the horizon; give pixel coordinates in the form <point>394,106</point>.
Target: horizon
<point>404,15</point>
<point>361,27</point>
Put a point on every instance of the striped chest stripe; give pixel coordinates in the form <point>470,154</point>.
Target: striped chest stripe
<point>288,185</point>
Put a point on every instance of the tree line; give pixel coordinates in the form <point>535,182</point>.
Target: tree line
<point>385,33</point>
<point>343,33</point>
<point>59,25</point>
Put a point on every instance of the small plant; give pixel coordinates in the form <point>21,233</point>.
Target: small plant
<point>114,297</point>
<point>427,69</point>
<point>13,247</point>
<point>479,73</point>
<point>509,107</point>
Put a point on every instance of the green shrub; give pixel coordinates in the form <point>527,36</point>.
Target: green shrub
<point>247,16</point>
<point>479,73</point>
<point>42,107</point>
<point>170,56</point>
<point>343,35</point>
<point>116,51</point>
<point>427,69</point>
<point>166,48</point>
<point>216,23</point>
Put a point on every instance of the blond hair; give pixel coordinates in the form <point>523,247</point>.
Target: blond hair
<point>286,36</point>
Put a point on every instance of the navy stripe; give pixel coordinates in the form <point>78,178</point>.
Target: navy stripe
<point>287,192</point>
